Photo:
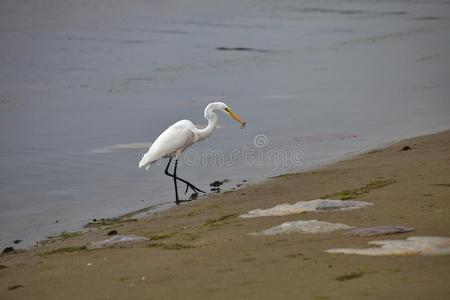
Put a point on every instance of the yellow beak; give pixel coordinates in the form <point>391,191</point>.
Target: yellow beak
<point>233,115</point>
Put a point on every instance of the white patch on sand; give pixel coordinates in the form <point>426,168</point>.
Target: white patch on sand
<point>379,230</point>
<point>121,147</point>
<point>308,226</point>
<point>317,205</point>
<point>415,245</point>
<point>116,240</point>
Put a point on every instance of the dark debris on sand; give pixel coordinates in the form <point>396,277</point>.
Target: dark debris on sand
<point>349,276</point>
<point>13,287</point>
<point>8,250</point>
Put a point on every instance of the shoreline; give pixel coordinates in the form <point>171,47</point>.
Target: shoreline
<point>155,209</point>
<point>202,249</point>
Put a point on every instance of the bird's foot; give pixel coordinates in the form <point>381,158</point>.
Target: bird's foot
<point>191,198</point>
<point>196,190</point>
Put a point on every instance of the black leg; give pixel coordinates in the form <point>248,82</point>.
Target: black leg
<point>166,171</point>
<point>175,181</point>
<point>188,184</point>
<point>167,168</point>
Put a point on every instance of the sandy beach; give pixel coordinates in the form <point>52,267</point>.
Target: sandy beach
<point>203,250</point>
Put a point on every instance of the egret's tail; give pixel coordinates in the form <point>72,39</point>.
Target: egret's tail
<point>146,161</point>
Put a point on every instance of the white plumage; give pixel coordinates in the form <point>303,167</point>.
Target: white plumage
<point>171,143</point>
<point>175,139</point>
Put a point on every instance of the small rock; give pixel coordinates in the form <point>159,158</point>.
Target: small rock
<point>8,250</point>
<point>113,232</point>
<point>215,189</point>
<point>17,241</point>
<point>193,196</point>
<point>216,183</point>
<point>406,148</point>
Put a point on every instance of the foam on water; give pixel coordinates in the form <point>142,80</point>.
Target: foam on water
<point>317,205</point>
<point>132,146</point>
<point>308,226</point>
<point>117,240</point>
<point>415,245</point>
<point>120,147</point>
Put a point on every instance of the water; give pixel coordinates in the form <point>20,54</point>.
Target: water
<point>328,78</point>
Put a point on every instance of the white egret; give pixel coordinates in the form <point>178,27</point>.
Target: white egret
<point>175,139</point>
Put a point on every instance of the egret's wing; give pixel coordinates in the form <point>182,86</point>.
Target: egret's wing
<point>173,140</point>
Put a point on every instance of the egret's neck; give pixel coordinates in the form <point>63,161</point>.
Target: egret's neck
<point>208,130</point>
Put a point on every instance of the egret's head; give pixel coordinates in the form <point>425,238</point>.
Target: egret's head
<point>216,106</point>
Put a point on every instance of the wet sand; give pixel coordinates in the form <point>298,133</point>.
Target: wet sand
<point>203,249</point>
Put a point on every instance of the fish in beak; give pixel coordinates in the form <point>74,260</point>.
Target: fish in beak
<point>234,116</point>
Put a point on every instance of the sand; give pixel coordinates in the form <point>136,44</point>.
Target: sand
<point>203,250</point>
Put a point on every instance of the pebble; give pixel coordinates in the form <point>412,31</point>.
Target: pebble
<point>216,183</point>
